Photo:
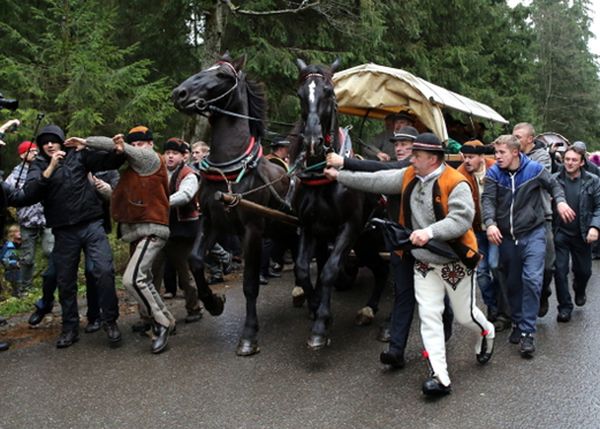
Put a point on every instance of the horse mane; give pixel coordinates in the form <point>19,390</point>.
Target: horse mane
<point>257,106</point>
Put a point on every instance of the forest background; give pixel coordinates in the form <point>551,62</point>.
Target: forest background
<point>98,67</point>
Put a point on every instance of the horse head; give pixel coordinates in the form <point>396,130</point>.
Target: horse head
<point>318,108</point>
<point>213,86</point>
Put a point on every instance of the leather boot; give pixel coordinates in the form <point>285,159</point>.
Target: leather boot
<point>159,343</point>
<point>67,339</point>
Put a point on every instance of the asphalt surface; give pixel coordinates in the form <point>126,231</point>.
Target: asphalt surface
<point>200,382</point>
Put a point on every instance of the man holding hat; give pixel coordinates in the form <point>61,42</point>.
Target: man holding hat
<point>59,179</point>
<point>183,225</point>
<point>31,218</point>
<point>382,141</point>
<point>436,203</point>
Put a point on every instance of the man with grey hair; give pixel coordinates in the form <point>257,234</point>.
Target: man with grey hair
<point>511,203</point>
<point>437,204</point>
<point>537,151</point>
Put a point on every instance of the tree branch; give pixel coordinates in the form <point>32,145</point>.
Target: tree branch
<point>302,6</point>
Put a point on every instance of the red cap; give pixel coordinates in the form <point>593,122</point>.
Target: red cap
<point>25,146</point>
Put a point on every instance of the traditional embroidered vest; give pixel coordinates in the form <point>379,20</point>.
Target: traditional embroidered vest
<point>142,199</point>
<point>465,246</point>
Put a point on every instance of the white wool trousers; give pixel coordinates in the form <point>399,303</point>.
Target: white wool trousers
<point>432,283</point>
<point>138,281</point>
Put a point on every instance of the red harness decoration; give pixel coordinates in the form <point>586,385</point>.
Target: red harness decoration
<point>317,182</point>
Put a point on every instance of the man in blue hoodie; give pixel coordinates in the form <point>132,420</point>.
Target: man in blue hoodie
<point>513,214</point>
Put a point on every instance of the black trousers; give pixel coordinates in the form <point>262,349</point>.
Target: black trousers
<point>70,241</point>
<point>581,256</point>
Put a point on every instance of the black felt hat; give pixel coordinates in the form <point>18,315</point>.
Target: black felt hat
<point>428,142</point>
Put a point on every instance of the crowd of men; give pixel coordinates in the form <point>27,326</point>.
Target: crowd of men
<point>509,220</point>
<point>509,225</point>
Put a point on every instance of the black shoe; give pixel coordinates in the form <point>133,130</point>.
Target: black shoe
<point>501,323</point>
<point>492,314</point>
<point>543,310</point>
<point>515,335</point>
<point>580,299</point>
<point>487,350</point>
<point>159,344</point>
<point>216,279</point>
<point>67,339</point>
<point>92,327</point>
<point>384,335</point>
<point>37,316</point>
<point>215,304</point>
<point>433,387</point>
<point>527,345</point>
<point>393,359</point>
<point>563,316</point>
<point>141,326</point>
<point>263,280</point>
<point>193,317</point>
<point>3,346</point>
<point>112,332</point>
<point>274,273</point>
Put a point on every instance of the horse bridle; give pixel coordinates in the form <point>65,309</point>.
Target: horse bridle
<point>202,104</point>
<point>327,138</point>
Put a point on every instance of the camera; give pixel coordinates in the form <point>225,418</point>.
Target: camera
<point>8,103</point>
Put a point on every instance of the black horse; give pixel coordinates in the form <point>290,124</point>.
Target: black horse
<point>236,110</point>
<point>332,215</point>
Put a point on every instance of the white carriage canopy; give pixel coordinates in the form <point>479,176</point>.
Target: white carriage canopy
<point>375,91</point>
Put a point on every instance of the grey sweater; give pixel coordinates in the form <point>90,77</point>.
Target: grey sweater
<point>461,209</point>
<point>144,162</point>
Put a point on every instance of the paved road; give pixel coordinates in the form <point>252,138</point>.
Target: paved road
<point>200,383</point>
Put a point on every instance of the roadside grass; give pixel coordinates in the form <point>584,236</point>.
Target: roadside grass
<point>11,306</point>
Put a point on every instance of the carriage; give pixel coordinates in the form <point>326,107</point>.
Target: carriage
<point>371,91</point>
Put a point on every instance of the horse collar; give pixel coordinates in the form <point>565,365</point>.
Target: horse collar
<point>234,169</point>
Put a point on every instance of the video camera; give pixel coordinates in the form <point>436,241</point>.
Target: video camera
<point>8,103</point>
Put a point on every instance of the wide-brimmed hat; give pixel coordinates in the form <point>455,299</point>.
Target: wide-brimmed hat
<point>400,115</point>
<point>428,142</point>
<point>405,133</point>
<point>279,141</point>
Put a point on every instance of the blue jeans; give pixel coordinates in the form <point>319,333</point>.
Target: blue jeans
<point>488,284</point>
<point>523,263</point>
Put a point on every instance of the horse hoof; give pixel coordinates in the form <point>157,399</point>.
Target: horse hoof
<point>318,342</point>
<point>365,316</point>
<point>298,297</point>
<point>247,348</point>
<point>215,305</point>
<point>384,335</point>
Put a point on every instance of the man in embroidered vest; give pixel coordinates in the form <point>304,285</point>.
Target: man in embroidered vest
<point>474,167</point>
<point>436,202</point>
<point>513,213</point>
<point>140,204</point>
<point>183,225</point>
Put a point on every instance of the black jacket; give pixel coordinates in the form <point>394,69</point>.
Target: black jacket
<point>589,201</point>
<point>68,196</point>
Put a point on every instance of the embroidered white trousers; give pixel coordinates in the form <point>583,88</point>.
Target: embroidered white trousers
<point>432,282</point>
